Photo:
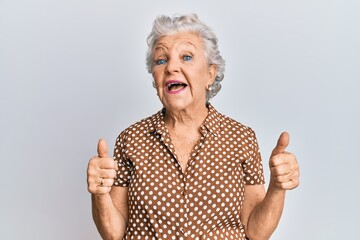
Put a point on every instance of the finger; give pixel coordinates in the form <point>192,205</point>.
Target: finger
<point>108,173</point>
<point>282,158</point>
<point>277,160</point>
<point>280,170</point>
<point>106,182</point>
<point>286,182</point>
<point>282,143</point>
<point>295,180</point>
<point>116,165</point>
<point>289,185</point>
<point>100,190</point>
<point>102,148</point>
<point>295,177</point>
<point>108,163</point>
<point>96,189</point>
<point>283,178</point>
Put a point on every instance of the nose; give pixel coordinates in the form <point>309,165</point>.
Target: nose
<point>172,66</point>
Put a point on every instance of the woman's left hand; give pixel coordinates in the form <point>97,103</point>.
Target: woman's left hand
<point>284,168</point>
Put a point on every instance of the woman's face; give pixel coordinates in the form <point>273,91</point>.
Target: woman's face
<point>181,71</point>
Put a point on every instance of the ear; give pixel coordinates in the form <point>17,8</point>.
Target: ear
<point>212,73</point>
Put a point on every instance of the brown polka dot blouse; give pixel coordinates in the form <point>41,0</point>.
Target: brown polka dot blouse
<point>204,202</point>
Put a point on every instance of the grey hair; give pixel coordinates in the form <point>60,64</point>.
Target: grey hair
<point>164,25</point>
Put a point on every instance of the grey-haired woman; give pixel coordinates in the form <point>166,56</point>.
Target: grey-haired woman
<point>188,171</point>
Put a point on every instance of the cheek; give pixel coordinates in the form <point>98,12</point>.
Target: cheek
<point>157,73</point>
<point>156,78</point>
<point>157,83</point>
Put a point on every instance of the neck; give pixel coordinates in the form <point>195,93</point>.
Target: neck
<point>185,117</point>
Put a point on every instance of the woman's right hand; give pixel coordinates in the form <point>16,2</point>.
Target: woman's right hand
<point>101,171</point>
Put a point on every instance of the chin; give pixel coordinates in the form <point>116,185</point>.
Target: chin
<point>177,105</point>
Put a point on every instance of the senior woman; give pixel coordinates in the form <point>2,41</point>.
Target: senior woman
<point>188,171</point>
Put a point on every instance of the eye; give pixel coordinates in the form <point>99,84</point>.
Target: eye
<point>160,61</point>
<point>187,58</point>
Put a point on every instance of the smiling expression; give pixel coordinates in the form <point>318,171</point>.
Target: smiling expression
<point>181,71</point>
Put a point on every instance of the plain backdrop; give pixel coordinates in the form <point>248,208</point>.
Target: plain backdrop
<point>73,71</point>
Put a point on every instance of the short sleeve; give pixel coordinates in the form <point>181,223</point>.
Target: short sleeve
<point>123,175</point>
<point>253,173</point>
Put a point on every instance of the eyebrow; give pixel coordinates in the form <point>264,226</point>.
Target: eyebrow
<point>163,46</point>
<point>189,43</point>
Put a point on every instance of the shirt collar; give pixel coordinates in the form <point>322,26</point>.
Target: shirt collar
<point>212,122</point>
<point>156,123</point>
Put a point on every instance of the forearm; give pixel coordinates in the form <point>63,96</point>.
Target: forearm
<point>264,219</point>
<point>109,221</point>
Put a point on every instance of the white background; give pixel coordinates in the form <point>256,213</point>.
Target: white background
<point>74,71</point>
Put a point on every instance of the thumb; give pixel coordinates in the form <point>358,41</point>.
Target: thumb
<point>281,145</point>
<point>102,149</point>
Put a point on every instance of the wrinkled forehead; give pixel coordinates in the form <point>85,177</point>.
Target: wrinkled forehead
<point>178,41</point>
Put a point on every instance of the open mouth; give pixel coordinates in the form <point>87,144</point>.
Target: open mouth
<point>175,86</point>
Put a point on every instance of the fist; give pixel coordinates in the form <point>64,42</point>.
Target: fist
<point>101,171</point>
<point>284,168</point>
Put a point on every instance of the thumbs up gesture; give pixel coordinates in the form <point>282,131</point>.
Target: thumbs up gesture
<point>284,169</point>
<point>101,171</point>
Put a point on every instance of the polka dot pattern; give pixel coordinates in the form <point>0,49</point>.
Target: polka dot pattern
<point>204,202</point>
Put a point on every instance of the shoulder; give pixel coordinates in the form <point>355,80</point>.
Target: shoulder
<point>141,127</point>
<point>240,128</point>
<point>233,129</point>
